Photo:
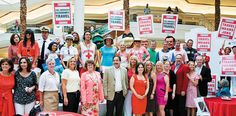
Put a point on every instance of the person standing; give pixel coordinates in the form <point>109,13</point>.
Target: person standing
<point>151,101</point>
<point>181,71</point>
<point>71,86</point>
<point>107,53</point>
<point>152,52</point>
<point>68,51</point>
<point>170,106</point>
<point>29,47</point>
<point>7,83</point>
<point>191,90</point>
<point>43,45</point>
<point>165,54</point>
<point>91,90</point>
<point>170,40</point>
<point>204,76</point>
<point>139,84</point>
<point>48,87</point>
<point>87,51</point>
<point>115,83</point>
<point>162,87</point>
<point>24,90</point>
<point>178,50</point>
<point>139,51</point>
<point>12,49</point>
<point>133,61</point>
<point>191,52</point>
<point>123,54</point>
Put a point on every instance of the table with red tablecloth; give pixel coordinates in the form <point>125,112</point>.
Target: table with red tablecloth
<point>58,113</point>
<point>219,107</point>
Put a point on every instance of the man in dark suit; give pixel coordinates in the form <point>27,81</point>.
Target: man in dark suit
<point>205,76</point>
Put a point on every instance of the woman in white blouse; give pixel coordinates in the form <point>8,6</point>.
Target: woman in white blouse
<point>71,86</point>
<point>68,51</point>
<point>48,87</point>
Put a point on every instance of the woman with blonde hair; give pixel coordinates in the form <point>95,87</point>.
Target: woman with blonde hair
<point>71,86</point>
<point>191,90</point>
<point>123,54</point>
<point>133,61</point>
<point>151,102</point>
<point>172,87</point>
<point>161,88</point>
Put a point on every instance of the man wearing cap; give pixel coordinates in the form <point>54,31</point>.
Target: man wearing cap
<point>43,45</point>
<point>139,51</point>
<point>68,51</point>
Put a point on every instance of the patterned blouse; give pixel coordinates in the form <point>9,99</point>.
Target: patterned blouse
<point>20,94</point>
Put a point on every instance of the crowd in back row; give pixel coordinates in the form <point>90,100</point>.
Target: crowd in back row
<point>137,79</point>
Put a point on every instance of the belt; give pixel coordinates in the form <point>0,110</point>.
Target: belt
<point>119,92</point>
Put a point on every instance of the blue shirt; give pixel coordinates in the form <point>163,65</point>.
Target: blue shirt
<point>107,55</point>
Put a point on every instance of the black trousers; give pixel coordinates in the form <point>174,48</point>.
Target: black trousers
<point>117,102</point>
<point>73,102</point>
<point>180,103</point>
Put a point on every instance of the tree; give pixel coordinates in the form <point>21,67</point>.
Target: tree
<point>126,8</point>
<point>217,14</point>
<point>23,11</point>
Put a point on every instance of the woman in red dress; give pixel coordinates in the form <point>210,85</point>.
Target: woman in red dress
<point>6,85</point>
<point>139,85</point>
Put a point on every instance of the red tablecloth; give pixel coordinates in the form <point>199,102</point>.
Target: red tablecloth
<point>59,113</point>
<point>219,107</point>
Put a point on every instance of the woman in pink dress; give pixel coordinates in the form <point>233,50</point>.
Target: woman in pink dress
<point>162,85</point>
<point>191,90</point>
<point>91,90</point>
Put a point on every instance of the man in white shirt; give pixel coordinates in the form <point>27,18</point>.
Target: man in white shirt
<point>115,83</point>
<point>43,45</point>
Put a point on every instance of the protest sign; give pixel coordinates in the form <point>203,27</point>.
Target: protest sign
<point>169,23</point>
<point>62,14</point>
<point>145,24</point>
<point>228,65</point>
<point>116,20</point>
<point>227,28</point>
<point>204,42</point>
<point>212,86</point>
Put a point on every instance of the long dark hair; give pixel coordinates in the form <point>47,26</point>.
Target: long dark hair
<point>12,39</point>
<point>29,64</point>
<point>136,69</point>
<point>32,39</point>
<point>9,62</point>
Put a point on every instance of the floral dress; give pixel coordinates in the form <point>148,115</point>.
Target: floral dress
<point>92,94</point>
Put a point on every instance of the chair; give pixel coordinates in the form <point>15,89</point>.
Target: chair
<point>202,109</point>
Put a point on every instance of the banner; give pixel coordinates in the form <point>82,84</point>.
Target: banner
<point>227,28</point>
<point>204,42</point>
<point>169,23</point>
<point>145,24</point>
<point>212,86</point>
<point>62,15</point>
<point>116,20</point>
<point>228,65</point>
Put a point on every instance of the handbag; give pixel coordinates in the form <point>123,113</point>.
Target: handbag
<point>36,109</point>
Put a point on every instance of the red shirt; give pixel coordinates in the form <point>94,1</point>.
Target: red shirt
<point>181,78</point>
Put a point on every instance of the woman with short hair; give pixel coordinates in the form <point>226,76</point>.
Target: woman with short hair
<point>91,90</point>
<point>48,86</point>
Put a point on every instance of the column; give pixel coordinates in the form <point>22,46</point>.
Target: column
<point>79,17</point>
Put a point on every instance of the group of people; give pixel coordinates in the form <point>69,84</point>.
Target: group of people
<point>133,80</point>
